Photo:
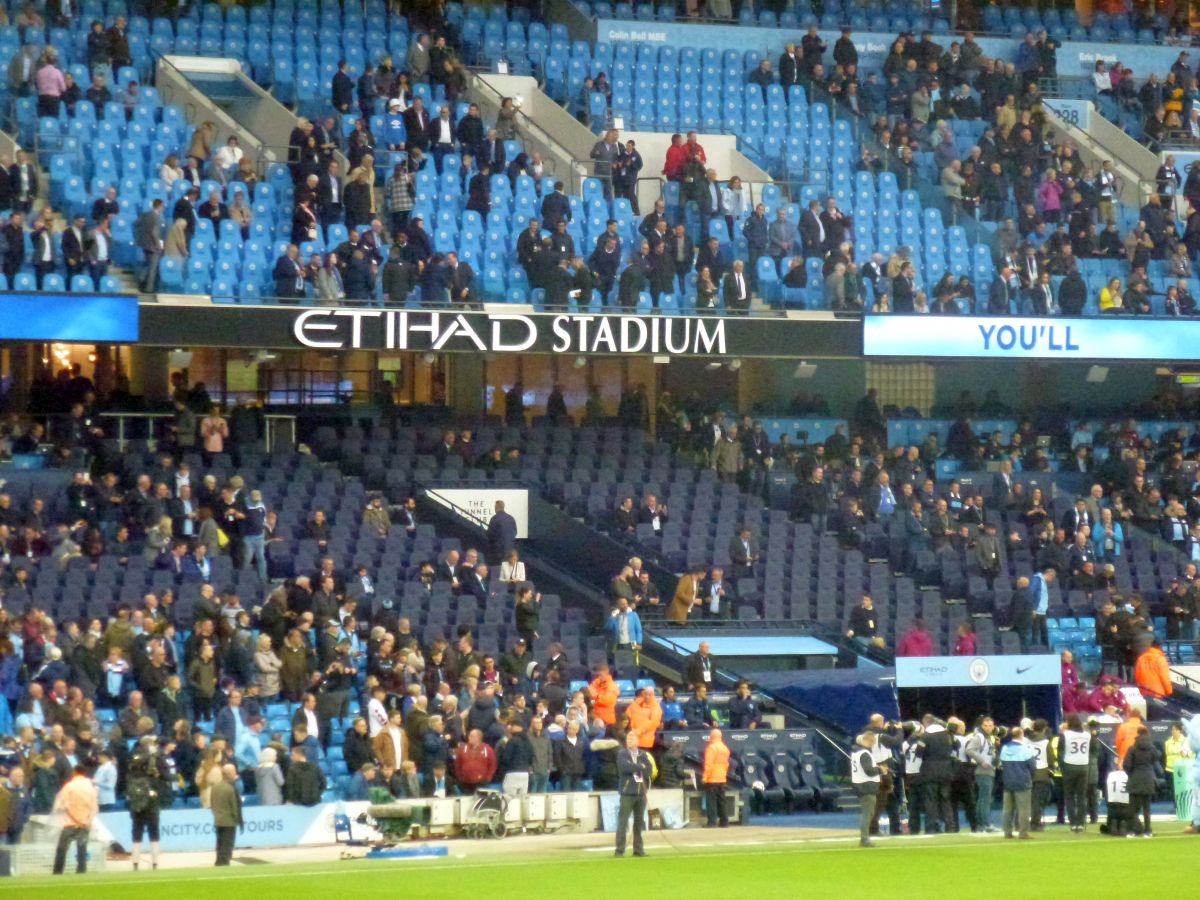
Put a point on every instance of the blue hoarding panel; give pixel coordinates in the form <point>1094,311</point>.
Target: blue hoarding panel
<point>91,318</point>
<point>933,337</point>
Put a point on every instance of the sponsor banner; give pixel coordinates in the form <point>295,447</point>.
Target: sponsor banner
<point>266,826</point>
<point>1071,112</point>
<point>1030,338</point>
<point>496,330</point>
<point>479,504</point>
<point>977,671</point>
<point>91,318</point>
<point>355,329</point>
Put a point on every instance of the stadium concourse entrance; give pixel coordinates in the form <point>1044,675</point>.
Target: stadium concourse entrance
<point>1007,688</point>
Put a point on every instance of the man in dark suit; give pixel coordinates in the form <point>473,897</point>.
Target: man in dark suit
<point>106,206</point>
<point>529,245</point>
<point>23,183</point>
<point>562,245</point>
<point>476,583</point>
<point>710,258</point>
<point>118,46</point>
<point>682,252</point>
<point>289,275</point>
<point>556,207</point>
<point>711,204</point>
<point>634,772</point>
<point>605,262</point>
<point>226,805</point>
<point>470,132</point>
<point>1077,517</point>
<point>460,279</point>
<point>342,91</point>
<point>329,196</point>
<point>416,125</point>
<point>904,289</point>
<point>558,284</point>
<point>649,224</point>
<point>835,223</point>
<point>366,91</point>
<point>1041,296</point>
<point>1002,484</point>
<point>14,243</point>
<point>74,248</point>
<point>214,210</point>
<point>718,595</point>
<point>998,293</point>
<point>737,290</point>
<point>632,283</point>
<point>628,167</point>
<point>501,533</point>
<point>812,230</point>
<point>789,68</point>
<point>743,550</point>
<point>185,208</point>
<point>605,153</point>
<point>43,252</point>
<point>492,152</point>
<point>442,137</point>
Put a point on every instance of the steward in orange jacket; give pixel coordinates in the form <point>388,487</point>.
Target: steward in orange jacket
<point>716,759</point>
<point>604,693</point>
<point>645,717</point>
<point>1125,735</point>
<point>1152,673</point>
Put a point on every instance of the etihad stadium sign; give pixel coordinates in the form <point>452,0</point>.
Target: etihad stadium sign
<point>387,329</point>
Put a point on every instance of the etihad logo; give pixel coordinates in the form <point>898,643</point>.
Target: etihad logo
<point>377,329</point>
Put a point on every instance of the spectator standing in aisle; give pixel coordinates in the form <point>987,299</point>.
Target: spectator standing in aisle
<point>50,85</point>
<point>148,234</point>
<point>605,153</point>
<point>502,534</point>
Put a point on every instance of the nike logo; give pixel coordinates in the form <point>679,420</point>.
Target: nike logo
<point>1022,671</point>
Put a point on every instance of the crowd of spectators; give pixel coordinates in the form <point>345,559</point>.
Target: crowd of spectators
<point>1052,208</point>
<point>208,672</point>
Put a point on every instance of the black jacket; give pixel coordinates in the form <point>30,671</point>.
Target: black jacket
<point>304,784</point>
<point>633,772</point>
<point>1141,765</point>
<point>937,755</point>
<point>568,758</point>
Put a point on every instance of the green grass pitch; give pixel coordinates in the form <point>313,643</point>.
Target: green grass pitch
<point>1052,865</point>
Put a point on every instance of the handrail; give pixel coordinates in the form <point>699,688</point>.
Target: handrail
<point>580,168</point>
<point>455,508</point>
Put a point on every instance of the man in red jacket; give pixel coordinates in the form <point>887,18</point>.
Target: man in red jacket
<point>474,762</point>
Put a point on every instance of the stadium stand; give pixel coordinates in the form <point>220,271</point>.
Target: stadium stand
<point>307,573</point>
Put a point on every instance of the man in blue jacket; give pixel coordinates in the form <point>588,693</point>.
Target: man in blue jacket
<point>1017,763</point>
<point>624,627</point>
